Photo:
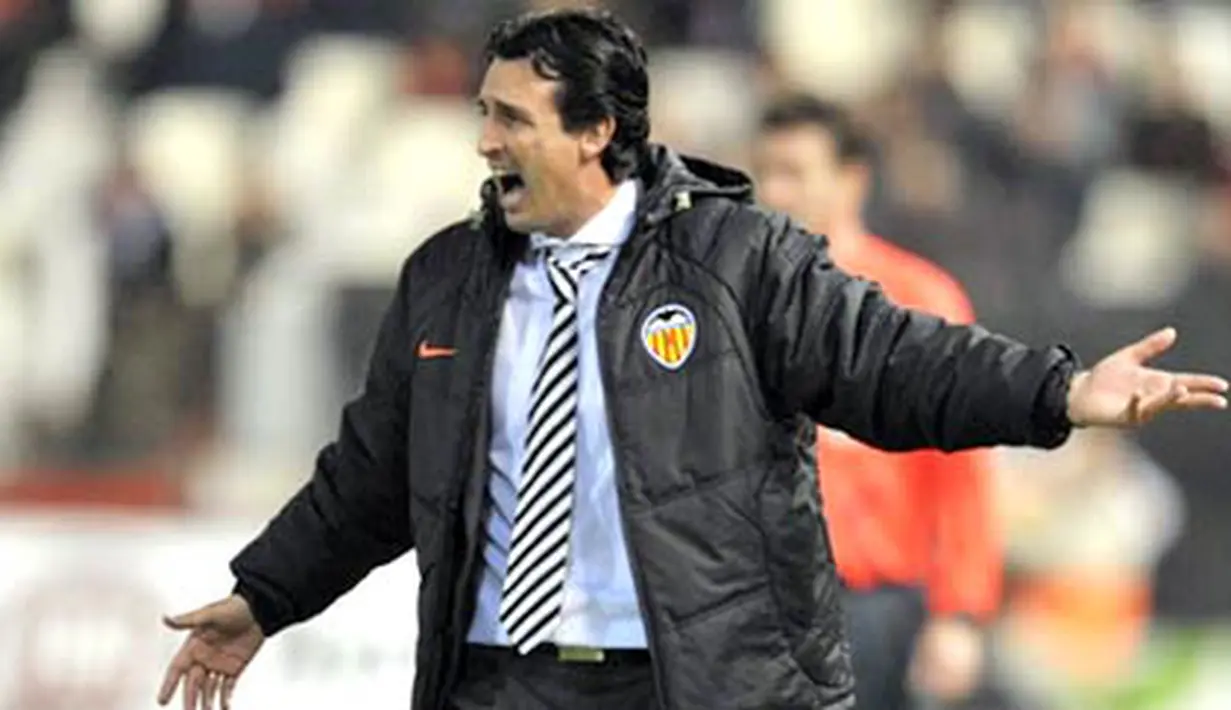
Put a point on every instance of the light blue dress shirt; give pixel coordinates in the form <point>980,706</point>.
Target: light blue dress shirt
<point>600,606</point>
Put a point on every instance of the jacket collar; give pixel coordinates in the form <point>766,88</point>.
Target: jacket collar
<point>672,184</point>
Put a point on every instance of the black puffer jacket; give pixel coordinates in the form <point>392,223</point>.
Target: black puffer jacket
<point>716,482</point>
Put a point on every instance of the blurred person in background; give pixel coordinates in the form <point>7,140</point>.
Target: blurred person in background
<point>694,553</point>
<point>136,402</point>
<point>913,534</point>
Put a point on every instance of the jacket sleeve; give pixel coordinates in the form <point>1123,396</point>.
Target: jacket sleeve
<point>833,347</point>
<point>353,513</point>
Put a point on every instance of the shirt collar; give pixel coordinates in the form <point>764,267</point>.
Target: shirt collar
<point>609,228</point>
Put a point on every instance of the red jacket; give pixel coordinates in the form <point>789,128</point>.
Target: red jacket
<point>916,518</point>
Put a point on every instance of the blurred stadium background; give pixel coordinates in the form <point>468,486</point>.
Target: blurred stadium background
<point>203,204</point>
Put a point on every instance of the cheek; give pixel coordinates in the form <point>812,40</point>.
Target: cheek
<point>521,143</point>
<point>823,191</point>
<point>554,168</point>
<point>530,158</point>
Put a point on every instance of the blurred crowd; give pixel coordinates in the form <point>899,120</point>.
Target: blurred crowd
<point>203,205</point>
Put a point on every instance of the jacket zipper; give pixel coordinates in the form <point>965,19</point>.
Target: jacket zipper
<point>638,576</point>
<point>478,466</point>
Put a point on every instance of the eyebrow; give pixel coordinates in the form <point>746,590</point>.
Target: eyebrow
<point>505,108</point>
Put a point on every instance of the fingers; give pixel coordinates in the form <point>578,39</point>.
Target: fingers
<point>210,691</point>
<point>1186,391</point>
<point>1152,345</point>
<point>1202,383</point>
<point>1202,400</point>
<point>193,686</point>
<point>228,687</point>
<point>201,687</point>
<point>1143,408</point>
<point>179,666</point>
<point>182,664</point>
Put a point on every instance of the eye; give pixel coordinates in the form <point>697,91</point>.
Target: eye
<point>504,114</point>
<point>507,117</point>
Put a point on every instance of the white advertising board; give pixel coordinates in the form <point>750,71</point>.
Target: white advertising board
<point>81,600</point>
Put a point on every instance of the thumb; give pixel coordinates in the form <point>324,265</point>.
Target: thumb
<point>1152,345</point>
<point>190,620</point>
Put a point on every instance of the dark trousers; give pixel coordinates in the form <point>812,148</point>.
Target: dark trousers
<point>499,679</point>
<point>884,624</point>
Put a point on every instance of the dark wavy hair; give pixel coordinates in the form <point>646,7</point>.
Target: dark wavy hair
<point>800,109</point>
<point>600,64</point>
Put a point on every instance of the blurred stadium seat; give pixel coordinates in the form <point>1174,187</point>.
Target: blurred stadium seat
<point>1134,246</point>
<point>339,88</point>
<point>683,81</point>
<point>846,49</point>
<point>1202,36</point>
<point>189,148</point>
<point>117,30</point>
<point>986,54</point>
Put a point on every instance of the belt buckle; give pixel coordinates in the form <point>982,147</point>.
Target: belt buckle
<point>580,654</point>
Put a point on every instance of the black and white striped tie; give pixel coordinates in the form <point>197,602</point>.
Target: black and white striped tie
<point>538,553</point>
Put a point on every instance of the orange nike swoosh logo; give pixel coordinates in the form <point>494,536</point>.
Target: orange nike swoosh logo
<point>428,352</point>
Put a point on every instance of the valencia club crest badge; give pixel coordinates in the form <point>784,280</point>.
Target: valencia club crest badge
<point>669,335</point>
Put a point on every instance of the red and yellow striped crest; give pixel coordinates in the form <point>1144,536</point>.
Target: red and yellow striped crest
<point>669,335</point>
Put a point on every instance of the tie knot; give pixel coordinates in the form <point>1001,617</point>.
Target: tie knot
<point>576,258</point>
<point>567,266</point>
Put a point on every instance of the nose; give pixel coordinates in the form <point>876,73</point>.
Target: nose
<point>489,145</point>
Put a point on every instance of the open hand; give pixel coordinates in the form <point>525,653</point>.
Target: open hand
<point>1121,391</point>
<point>223,640</point>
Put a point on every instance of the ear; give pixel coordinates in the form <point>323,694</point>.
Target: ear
<point>596,137</point>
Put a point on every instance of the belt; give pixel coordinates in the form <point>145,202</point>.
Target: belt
<point>569,654</point>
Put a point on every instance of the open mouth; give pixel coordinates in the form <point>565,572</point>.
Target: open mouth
<point>512,188</point>
<point>509,182</point>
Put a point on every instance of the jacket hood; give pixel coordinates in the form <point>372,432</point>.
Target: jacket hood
<point>672,180</point>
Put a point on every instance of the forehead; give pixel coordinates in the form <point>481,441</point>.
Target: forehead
<point>804,142</point>
<point>515,82</point>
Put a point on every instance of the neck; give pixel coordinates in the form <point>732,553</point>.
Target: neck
<point>591,197</point>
